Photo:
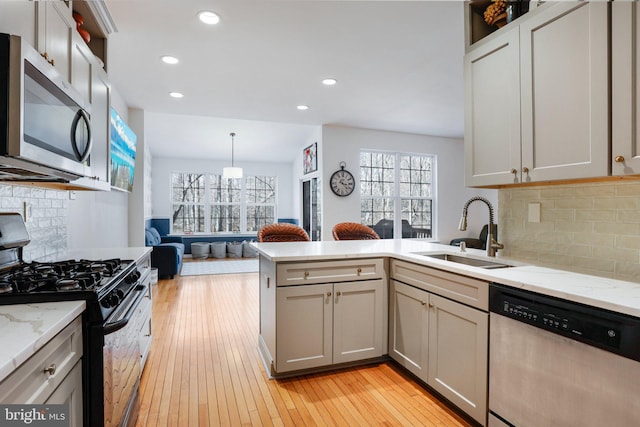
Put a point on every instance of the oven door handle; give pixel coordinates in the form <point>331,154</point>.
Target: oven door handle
<point>112,327</point>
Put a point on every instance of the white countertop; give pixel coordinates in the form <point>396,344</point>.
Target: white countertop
<point>25,328</point>
<point>616,295</point>
<point>133,253</point>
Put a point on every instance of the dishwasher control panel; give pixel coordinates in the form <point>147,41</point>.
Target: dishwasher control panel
<point>601,328</point>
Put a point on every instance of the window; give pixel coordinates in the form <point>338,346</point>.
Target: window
<point>203,203</point>
<point>261,201</point>
<point>396,193</point>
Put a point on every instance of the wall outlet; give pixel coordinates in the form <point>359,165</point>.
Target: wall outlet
<point>534,212</point>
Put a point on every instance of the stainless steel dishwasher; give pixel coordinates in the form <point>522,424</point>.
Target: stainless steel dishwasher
<point>558,363</point>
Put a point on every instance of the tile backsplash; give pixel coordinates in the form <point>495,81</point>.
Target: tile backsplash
<point>46,219</point>
<point>589,228</point>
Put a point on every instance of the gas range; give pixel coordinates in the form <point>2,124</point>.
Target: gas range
<point>102,283</point>
<point>116,297</point>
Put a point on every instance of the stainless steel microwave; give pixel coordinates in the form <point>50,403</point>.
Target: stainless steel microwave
<point>45,125</point>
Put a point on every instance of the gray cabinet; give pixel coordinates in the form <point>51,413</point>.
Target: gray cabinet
<point>319,314</point>
<point>52,375</point>
<point>440,340</point>
<point>558,56</point>
<point>19,18</point>
<point>304,328</point>
<point>409,328</point>
<point>54,29</point>
<point>492,111</point>
<point>625,88</point>
<point>320,325</point>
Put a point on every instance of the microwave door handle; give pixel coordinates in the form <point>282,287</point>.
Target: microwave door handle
<point>81,114</point>
<point>112,327</point>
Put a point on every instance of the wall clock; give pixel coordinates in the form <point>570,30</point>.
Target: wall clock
<point>342,182</point>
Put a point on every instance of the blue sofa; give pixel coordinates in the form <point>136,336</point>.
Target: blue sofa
<point>166,255</point>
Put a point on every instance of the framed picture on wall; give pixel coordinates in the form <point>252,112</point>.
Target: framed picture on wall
<point>310,158</point>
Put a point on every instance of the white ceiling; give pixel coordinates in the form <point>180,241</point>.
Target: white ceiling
<point>398,66</point>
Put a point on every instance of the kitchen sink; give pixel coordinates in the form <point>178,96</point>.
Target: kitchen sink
<point>467,260</point>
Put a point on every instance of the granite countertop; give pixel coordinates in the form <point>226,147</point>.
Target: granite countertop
<point>26,328</point>
<point>611,294</point>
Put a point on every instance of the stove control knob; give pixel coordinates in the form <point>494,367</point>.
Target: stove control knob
<point>111,300</point>
<point>133,277</point>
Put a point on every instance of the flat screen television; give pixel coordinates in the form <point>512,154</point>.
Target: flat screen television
<point>123,153</point>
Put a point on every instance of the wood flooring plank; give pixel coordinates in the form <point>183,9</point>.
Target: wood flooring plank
<point>204,369</point>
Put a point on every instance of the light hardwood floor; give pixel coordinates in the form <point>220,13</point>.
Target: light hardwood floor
<point>204,370</point>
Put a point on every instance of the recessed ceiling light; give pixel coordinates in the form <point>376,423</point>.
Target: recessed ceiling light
<point>329,82</point>
<point>303,107</point>
<point>176,95</point>
<point>167,59</point>
<point>208,17</point>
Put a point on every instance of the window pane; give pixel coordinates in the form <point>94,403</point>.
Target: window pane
<point>224,190</point>
<point>260,189</point>
<point>259,216</point>
<point>187,187</point>
<point>378,214</point>
<point>225,218</point>
<point>417,213</point>
<point>188,218</point>
<point>377,174</point>
<point>415,176</point>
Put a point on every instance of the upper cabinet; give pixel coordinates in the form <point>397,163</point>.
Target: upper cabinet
<point>492,111</point>
<point>625,87</point>
<point>54,26</point>
<point>536,98</point>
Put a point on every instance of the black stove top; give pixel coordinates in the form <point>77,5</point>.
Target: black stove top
<point>61,276</point>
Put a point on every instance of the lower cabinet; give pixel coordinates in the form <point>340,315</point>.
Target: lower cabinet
<point>52,375</point>
<point>69,392</point>
<point>442,342</point>
<point>325,324</point>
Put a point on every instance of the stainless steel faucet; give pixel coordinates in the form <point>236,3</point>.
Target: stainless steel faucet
<point>492,244</point>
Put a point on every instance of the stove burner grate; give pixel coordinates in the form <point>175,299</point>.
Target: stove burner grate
<point>69,275</point>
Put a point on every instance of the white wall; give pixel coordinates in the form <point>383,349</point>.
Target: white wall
<point>99,219</point>
<point>162,168</point>
<point>136,212</point>
<point>344,144</point>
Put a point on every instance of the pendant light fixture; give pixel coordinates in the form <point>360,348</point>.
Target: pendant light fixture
<point>232,171</point>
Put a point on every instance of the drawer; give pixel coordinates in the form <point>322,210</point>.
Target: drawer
<point>30,383</point>
<point>329,271</point>
<point>459,288</point>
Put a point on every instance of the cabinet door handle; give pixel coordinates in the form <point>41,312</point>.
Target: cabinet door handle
<point>328,294</point>
<point>268,281</point>
<point>423,302</point>
<point>514,171</point>
<point>619,159</point>
<point>430,305</point>
<point>525,169</point>
<point>51,370</point>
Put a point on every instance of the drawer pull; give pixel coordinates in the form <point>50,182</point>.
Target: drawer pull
<point>51,370</point>
<point>359,270</point>
<point>306,274</point>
